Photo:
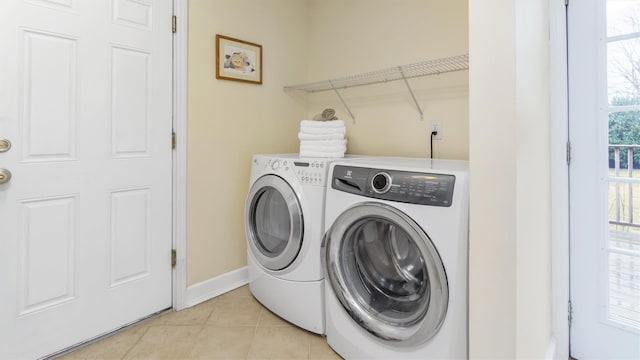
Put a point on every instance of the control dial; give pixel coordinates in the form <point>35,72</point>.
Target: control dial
<point>381,182</point>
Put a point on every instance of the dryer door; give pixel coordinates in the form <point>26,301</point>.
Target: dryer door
<point>274,222</point>
<point>386,273</point>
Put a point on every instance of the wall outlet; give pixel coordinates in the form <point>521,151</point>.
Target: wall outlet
<point>436,125</point>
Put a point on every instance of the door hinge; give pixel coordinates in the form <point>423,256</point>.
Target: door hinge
<point>568,153</point>
<point>173,140</point>
<point>174,258</point>
<point>570,313</point>
<point>174,24</point>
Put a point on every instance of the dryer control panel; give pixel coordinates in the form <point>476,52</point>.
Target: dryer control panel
<point>394,185</point>
<point>311,172</point>
<point>308,172</point>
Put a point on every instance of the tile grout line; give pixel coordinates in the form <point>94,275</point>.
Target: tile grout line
<point>309,346</point>
<point>124,356</point>
<point>266,322</point>
<point>196,336</point>
<point>255,332</point>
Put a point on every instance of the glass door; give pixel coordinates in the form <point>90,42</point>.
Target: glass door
<point>604,108</point>
<point>623,94</point>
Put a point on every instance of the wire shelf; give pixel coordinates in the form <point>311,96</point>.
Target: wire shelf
<point>402,72</point>
<point>423,68</point>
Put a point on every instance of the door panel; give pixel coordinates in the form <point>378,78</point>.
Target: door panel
<point>49,97</point>
<point>129,240</point>
<point>86,218</point>
<point>598,273</point>
<point>46,254</point>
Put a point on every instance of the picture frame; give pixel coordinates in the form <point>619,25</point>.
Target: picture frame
<point>238,60</point>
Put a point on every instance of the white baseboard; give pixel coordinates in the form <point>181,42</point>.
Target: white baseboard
<point>551,349</point>
<point>216,286</point>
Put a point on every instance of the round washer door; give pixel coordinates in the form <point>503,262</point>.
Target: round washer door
<point>274,222</point>
<point>387,273</point>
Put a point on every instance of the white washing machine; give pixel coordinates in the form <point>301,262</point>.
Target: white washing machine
<point>284,222</point>
<point>395,255</point>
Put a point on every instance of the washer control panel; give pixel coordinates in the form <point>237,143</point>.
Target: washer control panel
<point>394,185</point>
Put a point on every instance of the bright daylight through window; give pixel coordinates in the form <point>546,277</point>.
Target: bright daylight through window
<point>623,89</point>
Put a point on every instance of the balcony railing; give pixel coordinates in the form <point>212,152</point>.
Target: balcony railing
<point>624,203</point>
<point>623,248</point>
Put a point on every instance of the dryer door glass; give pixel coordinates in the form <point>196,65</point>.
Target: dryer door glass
<point>274,222</point>
<point>386,273</point>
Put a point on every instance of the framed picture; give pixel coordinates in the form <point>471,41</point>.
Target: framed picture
<point>238,60</point>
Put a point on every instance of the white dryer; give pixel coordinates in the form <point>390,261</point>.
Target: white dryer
<point>284,222</point>
<point>395,255</point>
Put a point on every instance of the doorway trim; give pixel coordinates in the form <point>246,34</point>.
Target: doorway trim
<point>180,86</point>
<point>559,126</point>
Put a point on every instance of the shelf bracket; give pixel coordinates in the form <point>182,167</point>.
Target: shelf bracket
<point>406,82</point>
<point>353,118</point>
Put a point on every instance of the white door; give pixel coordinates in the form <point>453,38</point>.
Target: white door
<point>604,108</point>
<point>85,221</point>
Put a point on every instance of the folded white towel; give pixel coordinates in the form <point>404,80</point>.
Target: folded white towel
<point>322,138</point>
<point>330,136</point>
<point>327,149</point>
<point>323,131</point>
<point>321,124</point>
<point>321,154</point>
<point>340,142</point>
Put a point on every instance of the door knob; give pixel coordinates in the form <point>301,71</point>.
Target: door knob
<point>5,145</point>
<point>5,176</point>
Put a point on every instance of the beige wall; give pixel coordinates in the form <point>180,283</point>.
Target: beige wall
<point>307,41</point>
<point>500,123</point>
<point>230,121</point>
<point>533,186</point>
<point>509,285</point>
<point>492,131</point>
<point>369,35</point>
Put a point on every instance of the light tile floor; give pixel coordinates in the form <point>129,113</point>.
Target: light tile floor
<point>230,326</point>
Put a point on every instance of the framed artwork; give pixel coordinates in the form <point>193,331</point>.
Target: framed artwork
<point>238,60</point>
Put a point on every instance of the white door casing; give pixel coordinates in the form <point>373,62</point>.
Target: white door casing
<point>86,218</point>
<point>592,334</point>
